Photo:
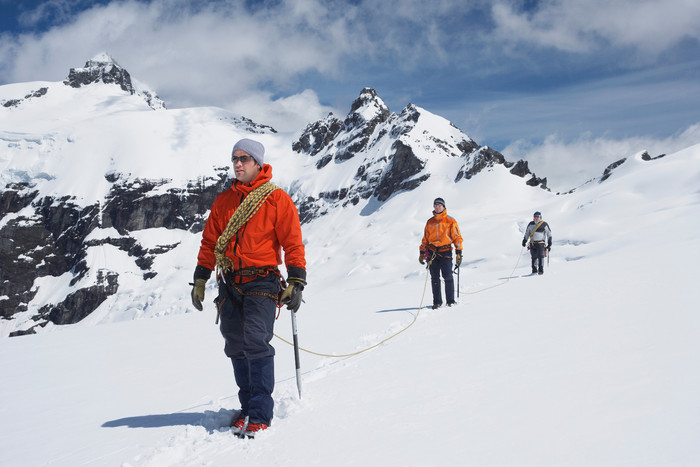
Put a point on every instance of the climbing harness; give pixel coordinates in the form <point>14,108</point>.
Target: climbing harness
<point>535,230</point>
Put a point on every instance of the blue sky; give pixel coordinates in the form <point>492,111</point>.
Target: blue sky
<point>529,78</point>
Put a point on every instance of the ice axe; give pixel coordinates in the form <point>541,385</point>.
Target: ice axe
<point>457,271</point>
<point>296,350</point>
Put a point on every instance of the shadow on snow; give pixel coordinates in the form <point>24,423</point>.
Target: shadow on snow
<point>211,421</point>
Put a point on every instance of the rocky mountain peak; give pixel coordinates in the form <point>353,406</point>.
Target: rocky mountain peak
<point>102,68</point>
<point>393,152</point>
<point>368,107</point>
<point>342,139</point>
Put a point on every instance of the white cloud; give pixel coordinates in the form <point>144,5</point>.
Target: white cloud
<point>205,56</point>
<point>571,163</point>
<point>286,114</point>
<point>48,10</point>
<point>263,61</point>
<point>648,26</point>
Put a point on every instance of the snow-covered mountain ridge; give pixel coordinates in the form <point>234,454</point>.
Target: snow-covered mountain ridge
<point>591,364</point>
<point>101,197</point>
<point>374,154</point>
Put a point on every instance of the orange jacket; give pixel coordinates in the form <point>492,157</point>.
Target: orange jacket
<point>258,242</point>
<point>441,230</point>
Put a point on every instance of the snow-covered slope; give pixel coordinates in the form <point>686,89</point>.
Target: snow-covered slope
<point>594,363</point>
<point>101,194</point>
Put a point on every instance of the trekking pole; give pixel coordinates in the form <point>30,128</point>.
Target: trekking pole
<point>296,350</point>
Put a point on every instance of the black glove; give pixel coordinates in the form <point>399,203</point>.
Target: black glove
<point>458,259</point>
<point>421,258</point>
<point>524,242</point>
<point>549,245</point>
<point>292,294</point>
<point>201,276</point>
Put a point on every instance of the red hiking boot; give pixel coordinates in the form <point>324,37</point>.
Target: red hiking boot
<point>253,428</point>
<point>237,424</point>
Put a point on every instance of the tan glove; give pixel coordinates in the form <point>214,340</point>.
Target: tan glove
<point>198,293</point>
<point>458,258</point>
<point>292,295</point>
<point>421,257</point>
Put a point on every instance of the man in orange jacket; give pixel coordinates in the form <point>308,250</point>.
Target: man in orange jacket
<point>441,232</point>
<point>248,226</point>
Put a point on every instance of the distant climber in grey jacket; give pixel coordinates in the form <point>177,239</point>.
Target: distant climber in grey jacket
<point>539,235</point>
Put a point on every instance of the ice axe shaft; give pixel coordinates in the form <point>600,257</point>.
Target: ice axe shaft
<point>457,271</point>
<point>296,351</point>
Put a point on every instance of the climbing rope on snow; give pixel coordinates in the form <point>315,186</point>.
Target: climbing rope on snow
<point>415,318</point>
<point>510,276</point>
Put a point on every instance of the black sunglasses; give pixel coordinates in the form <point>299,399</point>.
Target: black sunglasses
<point>243,159</point>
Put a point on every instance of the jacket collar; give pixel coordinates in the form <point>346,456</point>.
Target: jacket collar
<point>265,175</point>
<point>442,215</point>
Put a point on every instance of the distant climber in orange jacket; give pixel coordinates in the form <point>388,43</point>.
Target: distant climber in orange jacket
<point>247,228</point>
<point>441,232</point>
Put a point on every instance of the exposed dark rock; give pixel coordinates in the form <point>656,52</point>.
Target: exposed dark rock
<point>249,125</point>
<point>467,146</point>
<point>647,157</point>
<point>521,170</point>
<point>130,207</point>
<point>81,303</point>
<point>15,198</point>
<point>12,103</point>
<point>39,93</point>
<point>322,162</point>
<point>609,169</point>
<point>16,102</point>
<point>536,181</point>
<point>49,243</point>
<point>404,165</point>
<point>348,137</point>
<point>317,136</point>
<point>103,70</point>
<point>479,160</point>
<point>53,241</point>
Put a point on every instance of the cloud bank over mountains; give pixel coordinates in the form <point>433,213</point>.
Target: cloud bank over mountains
<point>516,75</point>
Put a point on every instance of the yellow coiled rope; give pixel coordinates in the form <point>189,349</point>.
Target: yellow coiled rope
<point>243,214</point>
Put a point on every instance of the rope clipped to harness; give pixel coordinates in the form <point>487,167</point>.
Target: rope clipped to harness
<point>243,214</point>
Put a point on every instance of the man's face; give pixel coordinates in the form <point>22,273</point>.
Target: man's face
<point>244,166</point>
<point>537,218</point>
<point>438,207</point>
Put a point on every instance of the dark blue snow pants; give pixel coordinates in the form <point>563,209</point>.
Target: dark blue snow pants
<point>537,255</point>
<point>442,265</point>
<point>247,321</point>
